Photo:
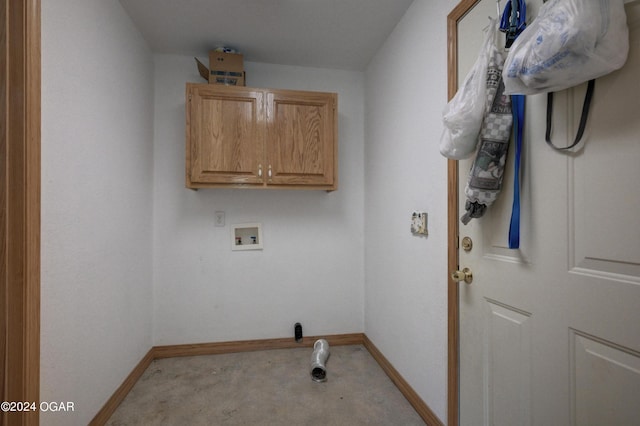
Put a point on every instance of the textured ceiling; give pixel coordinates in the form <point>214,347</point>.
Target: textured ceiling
<point>340,34</point>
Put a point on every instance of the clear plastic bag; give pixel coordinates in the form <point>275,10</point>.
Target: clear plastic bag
<point>570,42</point>
<point>463,115</point>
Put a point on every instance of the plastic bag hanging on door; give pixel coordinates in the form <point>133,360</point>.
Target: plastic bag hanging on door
<point>570,42</point>
<point>485,177</point>
<point>462,116</point>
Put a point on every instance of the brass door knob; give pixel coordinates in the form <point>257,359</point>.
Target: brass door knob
<point>465,275</point>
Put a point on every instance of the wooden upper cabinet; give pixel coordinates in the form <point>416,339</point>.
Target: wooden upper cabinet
<point>224,135</point>
<point>301,138</point>
<point>259,138</point>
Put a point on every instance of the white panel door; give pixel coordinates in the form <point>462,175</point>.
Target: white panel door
<point>550,333</point>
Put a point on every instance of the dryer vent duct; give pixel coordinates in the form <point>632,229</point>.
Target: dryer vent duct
<point>318,360</point>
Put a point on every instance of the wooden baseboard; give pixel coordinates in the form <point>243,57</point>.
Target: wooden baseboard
<point>216,348</point>
<point>197,349</point>
<point>118,396</point>
<point>416,402</point>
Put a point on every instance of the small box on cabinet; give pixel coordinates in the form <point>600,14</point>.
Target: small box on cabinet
<point>223,61</point>
<point>224,68</point>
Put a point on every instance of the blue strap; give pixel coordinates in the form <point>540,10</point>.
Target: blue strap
<point>517,106</point>
<point>513,20</point>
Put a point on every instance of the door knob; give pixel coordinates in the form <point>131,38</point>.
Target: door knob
<point>465,275</point>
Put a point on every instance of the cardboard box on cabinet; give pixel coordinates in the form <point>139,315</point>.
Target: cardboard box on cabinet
<point>224,68</point>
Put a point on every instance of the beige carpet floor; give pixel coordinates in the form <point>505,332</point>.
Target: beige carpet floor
<point>271,387</point>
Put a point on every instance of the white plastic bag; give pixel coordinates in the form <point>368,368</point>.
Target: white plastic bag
<point>462,117</point>
<point>570,42</point>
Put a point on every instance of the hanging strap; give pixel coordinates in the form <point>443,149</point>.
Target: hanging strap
<point>513,20</point>
<point>517,105</point>
<point>583,117</point>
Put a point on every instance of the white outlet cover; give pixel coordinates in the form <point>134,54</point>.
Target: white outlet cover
<point>219,218</point>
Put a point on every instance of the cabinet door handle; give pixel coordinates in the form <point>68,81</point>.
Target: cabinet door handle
<point>259,170</point>
<point>269,171</point>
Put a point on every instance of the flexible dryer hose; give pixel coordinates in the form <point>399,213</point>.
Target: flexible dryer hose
<point>318,360</point>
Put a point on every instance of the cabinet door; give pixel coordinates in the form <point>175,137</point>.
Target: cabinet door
<point>302,139</point>
<point>225,135</point>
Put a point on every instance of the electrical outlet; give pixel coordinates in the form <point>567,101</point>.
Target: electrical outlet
<point>297,332</point>
<point>419,223</point>
<point>219,218</point>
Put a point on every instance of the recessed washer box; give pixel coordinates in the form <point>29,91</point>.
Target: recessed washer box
<point>246,236</point>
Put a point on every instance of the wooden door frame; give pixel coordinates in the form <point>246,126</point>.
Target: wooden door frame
<point>453,312</point>
<point>20,206</point>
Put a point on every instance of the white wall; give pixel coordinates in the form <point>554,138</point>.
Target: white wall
<point>312,267</point>
<point>97,141</point>
<point>406,281</point>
